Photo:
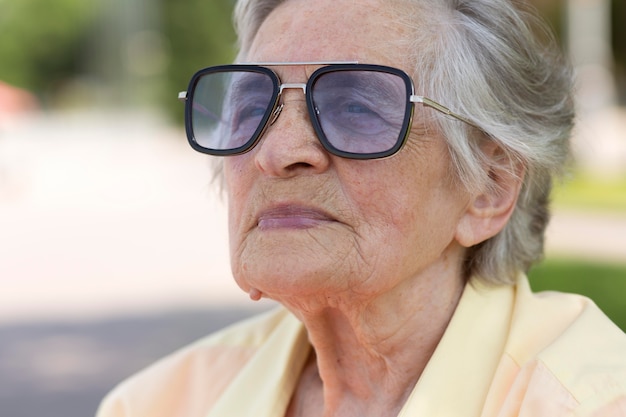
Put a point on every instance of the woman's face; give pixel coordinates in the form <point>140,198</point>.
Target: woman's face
<point>304,223</point>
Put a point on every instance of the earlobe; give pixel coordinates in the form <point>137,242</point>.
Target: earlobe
<point>489,211</point>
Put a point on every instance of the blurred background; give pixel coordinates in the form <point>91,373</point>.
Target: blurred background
<point>112,238</point>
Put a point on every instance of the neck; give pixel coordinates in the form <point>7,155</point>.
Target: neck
<point>369,355</point>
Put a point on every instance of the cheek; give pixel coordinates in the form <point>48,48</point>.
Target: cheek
<point>232,172</point>
<point>236,180</point>
<point>238,186</point>
<point>238,190</point>
<point>384,213</point>
<point>386,192</point>
<point>406,202</point>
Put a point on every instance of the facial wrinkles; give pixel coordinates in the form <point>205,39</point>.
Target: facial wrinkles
<point>319,191</point>
<point>343,186</point>
<point>301,39</point>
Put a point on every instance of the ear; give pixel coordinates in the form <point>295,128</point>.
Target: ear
<point>489,211</point>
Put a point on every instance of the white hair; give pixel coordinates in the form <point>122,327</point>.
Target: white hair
<point>496,63</point>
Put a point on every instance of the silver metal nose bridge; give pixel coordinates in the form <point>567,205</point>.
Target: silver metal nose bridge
<point>282,87</point>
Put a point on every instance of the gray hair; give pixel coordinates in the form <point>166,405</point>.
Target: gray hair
<point>496,63</point>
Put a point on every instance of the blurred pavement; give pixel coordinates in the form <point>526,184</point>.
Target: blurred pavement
<point>113,252</point>
<point>107,216</point>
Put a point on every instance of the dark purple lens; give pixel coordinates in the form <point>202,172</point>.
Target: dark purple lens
<point>228,108</point>
<point>361,111</point>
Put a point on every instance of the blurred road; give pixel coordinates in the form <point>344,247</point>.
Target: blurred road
<point>64,368</point>
<point>113,252</point>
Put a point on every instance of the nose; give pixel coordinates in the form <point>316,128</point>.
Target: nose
<point>290,146</point>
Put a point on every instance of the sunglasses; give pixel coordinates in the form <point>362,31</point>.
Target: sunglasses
<point>358,111</point>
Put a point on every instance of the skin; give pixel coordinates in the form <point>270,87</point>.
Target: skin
<point>368,254</point>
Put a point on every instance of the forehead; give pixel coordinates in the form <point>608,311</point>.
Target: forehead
<point>337,30</point>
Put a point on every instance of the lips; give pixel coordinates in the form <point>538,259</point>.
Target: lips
<point>289,216</point>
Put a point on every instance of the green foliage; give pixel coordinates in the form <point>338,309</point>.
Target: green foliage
<point>586,192</point>
<point>603,283</point>
<point>41,42</point>
<point>200,34</point>
<point>45,43</point>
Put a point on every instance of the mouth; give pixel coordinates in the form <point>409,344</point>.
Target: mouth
<point>288,216</point>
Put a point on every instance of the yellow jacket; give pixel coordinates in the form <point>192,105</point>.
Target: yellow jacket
<point>507,352</point>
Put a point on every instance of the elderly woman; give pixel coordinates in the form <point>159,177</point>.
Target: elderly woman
<point>387,166</point>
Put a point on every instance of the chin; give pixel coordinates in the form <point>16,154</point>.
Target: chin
<point>290,279</point>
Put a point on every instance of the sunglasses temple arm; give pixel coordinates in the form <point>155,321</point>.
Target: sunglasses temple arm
<point>443,109</point>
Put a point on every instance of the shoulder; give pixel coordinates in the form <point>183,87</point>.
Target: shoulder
<point>190,379</point>
<point>567,349</point>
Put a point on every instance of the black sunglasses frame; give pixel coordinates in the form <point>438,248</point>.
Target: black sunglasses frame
<point>273,110</point>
